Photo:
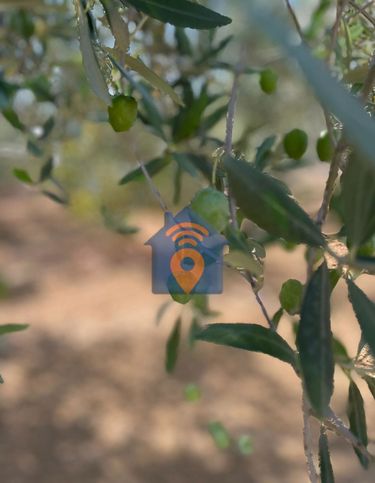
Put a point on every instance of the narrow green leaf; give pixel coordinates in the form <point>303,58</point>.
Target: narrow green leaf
<point>161,311</point>
<point>277,317</point>
<point>12,117</point>
<point>172,346</point>
<point>188,120</point>
<point>180,13</point>
<point>340,353</point>
<point>364,310</point>
<point>157,82</point>
<point>183,42</point>
<point>357,420</point>
<point>191,163</point>
<point>243,261</point>
<point>250,337</point>
<point>54,197</point>
<point>118,26</point>
<point>265,201</point>
<point>314,341</point>
<point>358,195</point>
<point>46,170</point>
<point>89,57</point>
<point>212,119</point>
<point>263,152</point>
<point>22,175</point>
<point>9,328</point>
<point>326,471</point>
<point>34,148</point>
<point>153,167</point>
<point>47,128</point>
<point>195,327</point>
<point>219,434</point>
<point>371,384</point>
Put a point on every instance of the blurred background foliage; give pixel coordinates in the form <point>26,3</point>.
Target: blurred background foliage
<point>44,87</point>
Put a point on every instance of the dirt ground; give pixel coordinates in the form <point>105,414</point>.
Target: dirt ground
<point>86,398</point>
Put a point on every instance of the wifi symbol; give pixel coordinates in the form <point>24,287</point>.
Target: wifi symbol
<point>181,230</point>
<point>182,234</point>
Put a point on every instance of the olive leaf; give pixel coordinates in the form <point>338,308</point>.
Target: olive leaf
<point>173,343</point>
<point>180,13</point>
<point>364,310</point>
<point>265,201</point>
<point>314,341</point>
<point>357,420</point>
<point>326,471</point>
<point>90,60</point>
<point>250,337</point>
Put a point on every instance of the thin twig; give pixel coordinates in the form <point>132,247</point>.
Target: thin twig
<point>228,147</point>
<point>369,81</point>
<point>341,148</point>
<point>295,19</point>
<point>153,187</point>
<point>341,5</point>
<point>334,423</point>
<point>307,439</point>
<point>363,12</point>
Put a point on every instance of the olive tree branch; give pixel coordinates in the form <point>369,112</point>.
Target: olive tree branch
<point>228,147</point>
<point>334,423</point>
<point>294,19</point>
<point>307,439</point>
<point>362,11</point>
<point>341,150</point>
<point>153,186</point>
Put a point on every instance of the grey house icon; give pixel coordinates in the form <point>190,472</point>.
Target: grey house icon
<point>187,256</point>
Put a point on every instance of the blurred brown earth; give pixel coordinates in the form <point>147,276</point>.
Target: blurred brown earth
<point>86,398</point>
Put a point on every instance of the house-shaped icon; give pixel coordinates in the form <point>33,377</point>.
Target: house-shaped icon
<point>187,256</point>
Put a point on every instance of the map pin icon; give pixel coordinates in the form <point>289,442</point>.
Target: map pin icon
<point>187,279</point>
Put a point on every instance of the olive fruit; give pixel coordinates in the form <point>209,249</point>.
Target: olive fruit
<point>212,206</point>
<point>122,113</point>
<point>295,143</point>
<point>324,147</point>
<point>268,81</point>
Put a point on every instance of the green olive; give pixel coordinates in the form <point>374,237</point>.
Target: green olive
<point>295,143</point>
<point>324,147</point>
<point>212,206</point>
<point>123,113</point>
<point>268,81</point>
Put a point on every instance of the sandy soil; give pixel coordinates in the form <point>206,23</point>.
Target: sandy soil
<point>86,398</point>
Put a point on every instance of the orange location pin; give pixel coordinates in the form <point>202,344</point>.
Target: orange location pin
<point>187,279</point>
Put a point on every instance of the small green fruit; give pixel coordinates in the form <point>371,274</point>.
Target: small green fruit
<point>324,147</point>
<point>123,113</point>
<point>295,143</point>
<point>291,296</point>
<point>268,81</point>
<point>212,206</point>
